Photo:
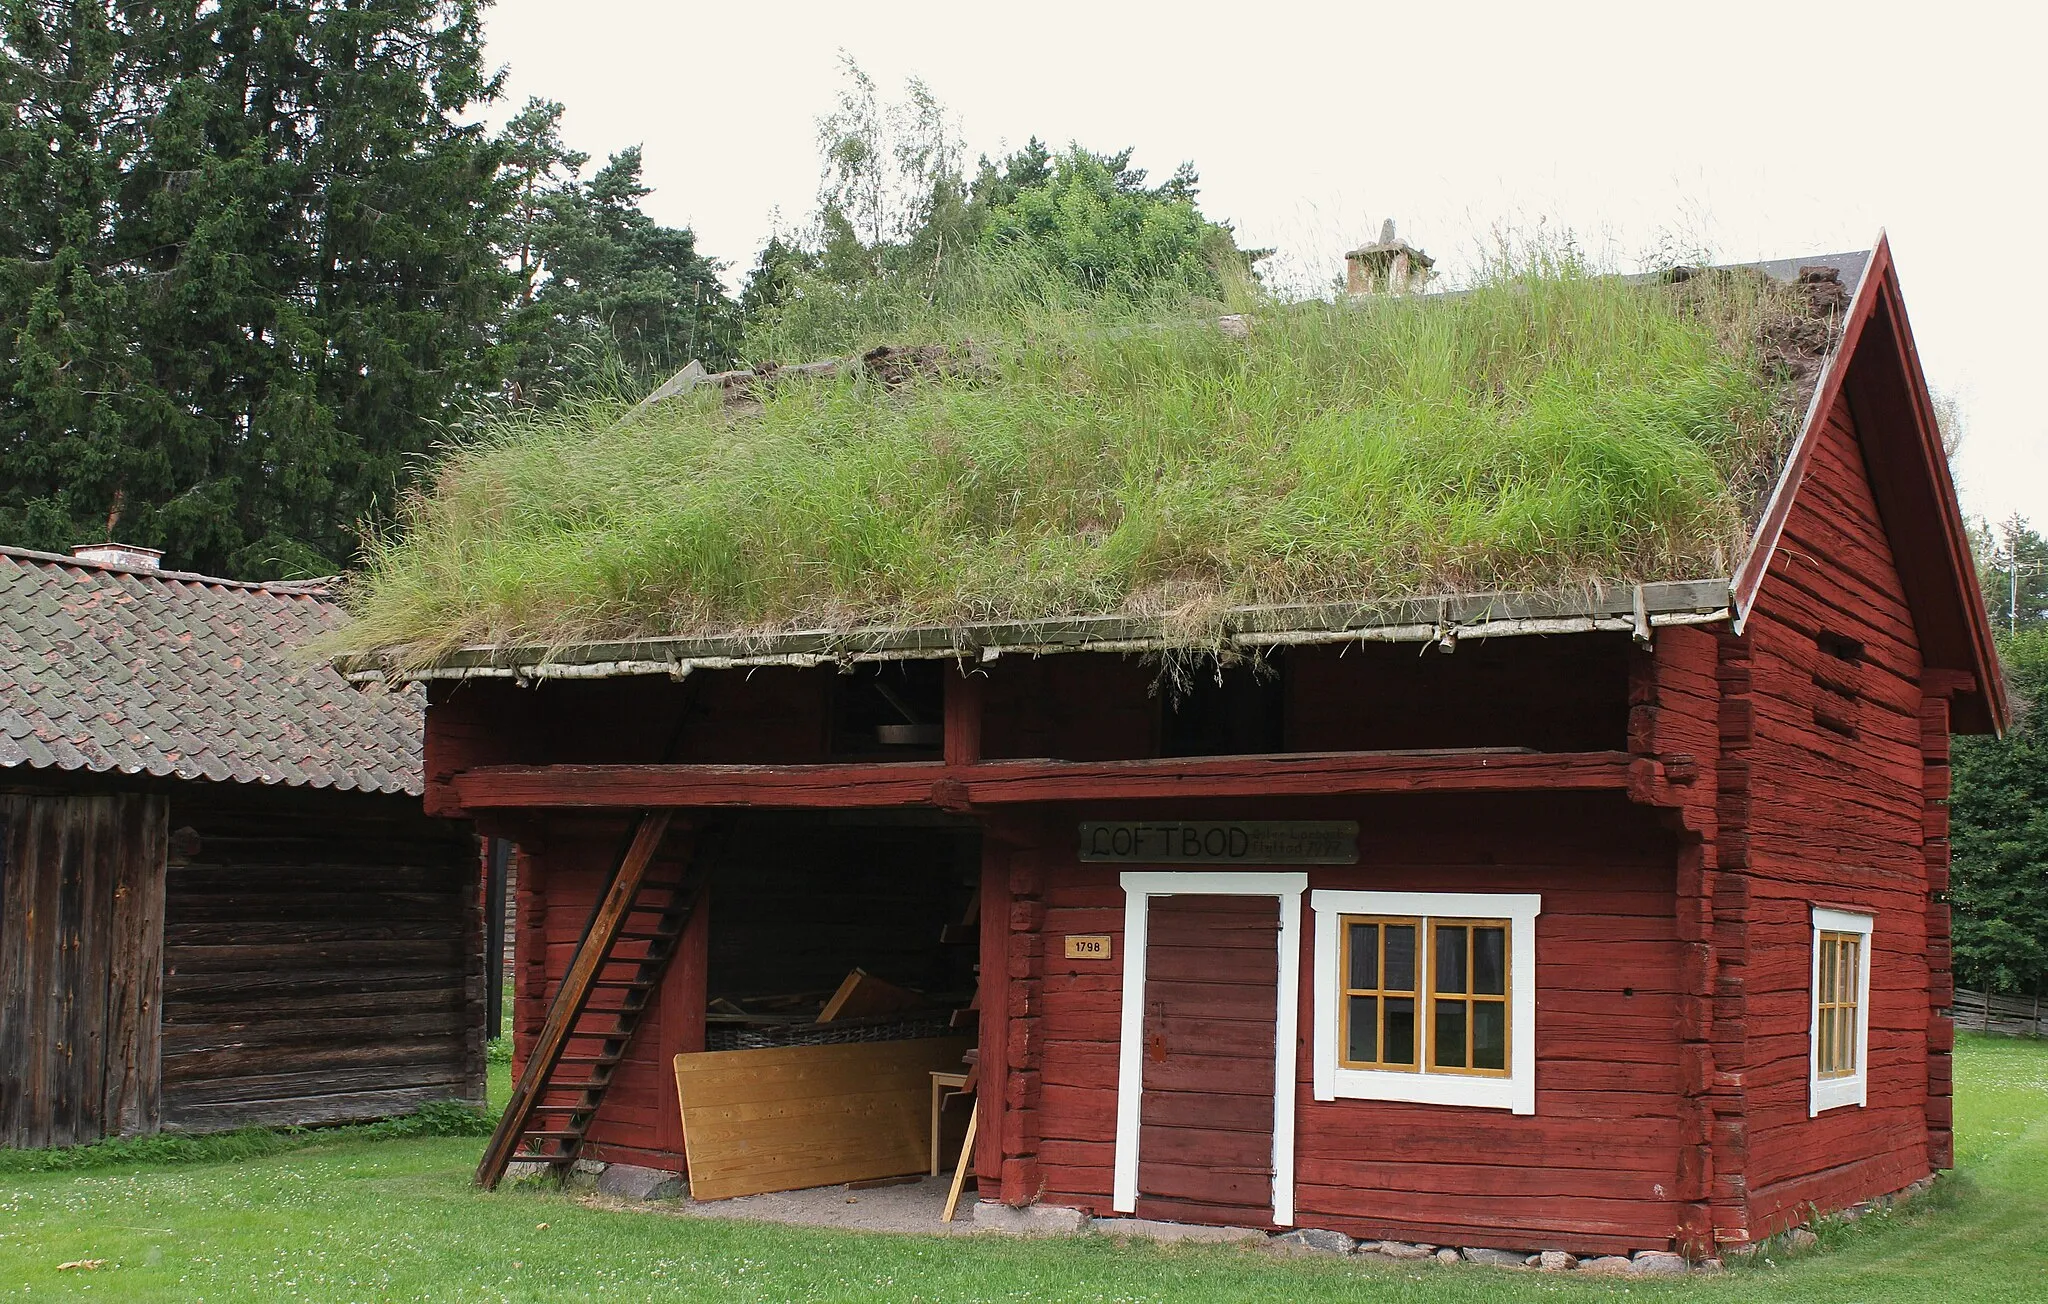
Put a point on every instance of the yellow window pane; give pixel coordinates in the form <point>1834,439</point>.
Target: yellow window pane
<point>1400,958</point>
<point>1489,1035</point>
<point>1450,959</point>
<point>1490,961</point>
<point>1365,957</point>
<point>1400,1038</point>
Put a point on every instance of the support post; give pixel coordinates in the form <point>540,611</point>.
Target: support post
<point>497,863</point>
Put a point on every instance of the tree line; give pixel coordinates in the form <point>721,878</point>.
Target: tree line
<point>1998,809</point>
<point>258,256</point>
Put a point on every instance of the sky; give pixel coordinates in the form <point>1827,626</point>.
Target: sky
<point>1750,130</point>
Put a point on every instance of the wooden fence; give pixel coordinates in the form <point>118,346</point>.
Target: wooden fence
<point>2015,1016</point>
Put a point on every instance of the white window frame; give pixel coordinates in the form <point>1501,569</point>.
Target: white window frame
<point>1140,886</point>
<point>1515,1092</point>
<point>1824,1094</point>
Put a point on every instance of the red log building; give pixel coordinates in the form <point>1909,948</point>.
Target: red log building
<point>1601,923</point>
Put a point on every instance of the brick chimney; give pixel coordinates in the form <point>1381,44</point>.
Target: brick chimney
<point>1391,266</point>
<point>119,554</point>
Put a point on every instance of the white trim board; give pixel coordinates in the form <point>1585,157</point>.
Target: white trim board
<point>1834,1093</point>
<point>1515,1092</point>
<point>1140,886</point>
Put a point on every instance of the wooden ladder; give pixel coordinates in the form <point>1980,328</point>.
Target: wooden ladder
<point>558,1094</point>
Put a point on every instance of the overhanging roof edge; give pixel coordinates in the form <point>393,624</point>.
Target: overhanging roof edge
<point>1444,618</point>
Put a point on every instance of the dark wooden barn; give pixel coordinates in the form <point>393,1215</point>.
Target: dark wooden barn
<point>220,902</point>
<point>1600,922</point>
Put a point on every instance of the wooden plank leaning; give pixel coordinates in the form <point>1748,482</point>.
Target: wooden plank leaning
<point>605,924</point>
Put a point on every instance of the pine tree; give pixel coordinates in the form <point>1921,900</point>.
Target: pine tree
<point>609,298</point>
<point>247,266</point>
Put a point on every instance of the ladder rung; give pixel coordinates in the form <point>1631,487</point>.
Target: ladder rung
<point>633,984</point>
<point>588,1059</point>
<point>553,1134</point>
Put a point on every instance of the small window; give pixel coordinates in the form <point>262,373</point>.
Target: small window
<point>1426,996</point>
<point>1841,1014</point>
<point>1840,962</point>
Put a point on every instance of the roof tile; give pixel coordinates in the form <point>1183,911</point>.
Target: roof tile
<point>103,668</point>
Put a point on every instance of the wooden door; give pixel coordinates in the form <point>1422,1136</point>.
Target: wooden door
<point>1205,1137</point>
<point>81,966</point>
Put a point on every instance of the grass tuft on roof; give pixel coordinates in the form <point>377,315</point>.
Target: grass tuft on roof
<point>1545,428</point>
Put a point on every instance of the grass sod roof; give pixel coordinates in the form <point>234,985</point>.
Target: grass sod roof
<point>1544,433</point>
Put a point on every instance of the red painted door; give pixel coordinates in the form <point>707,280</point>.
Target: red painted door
<point>1205,1139</point>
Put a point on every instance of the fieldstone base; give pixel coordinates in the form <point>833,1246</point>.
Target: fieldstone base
<point>1171,1232</point>
<point>630,1182</point>
<point>1031,1220</point>
<point>1314,1240</point>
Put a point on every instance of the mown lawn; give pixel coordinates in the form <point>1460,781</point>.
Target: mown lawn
<point>378,1220</point>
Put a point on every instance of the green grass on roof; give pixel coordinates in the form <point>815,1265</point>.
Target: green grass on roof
<point>1543,430</point>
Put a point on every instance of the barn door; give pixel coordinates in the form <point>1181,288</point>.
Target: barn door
<point>1205,1139</point>
<point>1206,1056</point>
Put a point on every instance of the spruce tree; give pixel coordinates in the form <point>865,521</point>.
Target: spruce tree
<point>246,265</point>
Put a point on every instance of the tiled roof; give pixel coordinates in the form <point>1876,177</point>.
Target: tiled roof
<point>116,669</point>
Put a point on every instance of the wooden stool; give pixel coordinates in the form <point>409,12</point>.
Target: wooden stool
<point>944,1086</point>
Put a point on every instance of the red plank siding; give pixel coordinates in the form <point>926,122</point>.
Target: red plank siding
<point>1596,1168</point>
<point>1835,816</point>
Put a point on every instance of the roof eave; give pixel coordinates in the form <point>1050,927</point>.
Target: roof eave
<point>1636,609</point>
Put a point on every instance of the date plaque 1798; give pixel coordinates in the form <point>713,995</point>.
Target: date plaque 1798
<point>1221,842</point>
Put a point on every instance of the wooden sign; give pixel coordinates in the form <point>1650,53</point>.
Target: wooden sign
<point>1221,842</point>
<point>1088,946</point>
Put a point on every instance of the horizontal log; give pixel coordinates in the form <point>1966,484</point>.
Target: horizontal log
<point>305,1111</point>
<point>268,1060</point>
<point>195,1009</point>
<point>177,936</point>
<point>402,1022</point>
<point>278,1086</point>
<point>926,783</point>
<point>331,957</point>
<point>222,988</point>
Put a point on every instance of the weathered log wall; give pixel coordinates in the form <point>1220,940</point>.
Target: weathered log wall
<point>1839,756</point>
<point>81,914</point>
<point>323,959</point>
